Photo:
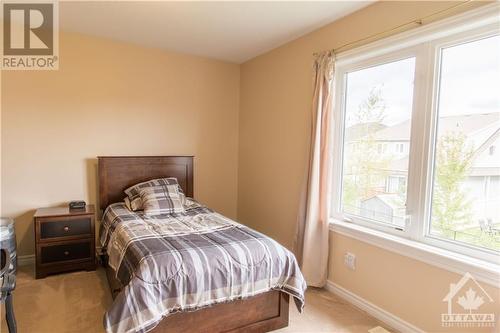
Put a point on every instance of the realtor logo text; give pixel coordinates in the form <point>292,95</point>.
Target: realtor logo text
<point>30,36</point>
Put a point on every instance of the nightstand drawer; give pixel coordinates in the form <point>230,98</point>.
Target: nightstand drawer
<point>64,252</point>
<point>64,239</point>
<point>65,228</point>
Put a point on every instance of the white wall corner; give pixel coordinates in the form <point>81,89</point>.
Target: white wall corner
<point>384,316</point>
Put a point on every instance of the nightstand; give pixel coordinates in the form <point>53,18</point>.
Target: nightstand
<point>64,240</point>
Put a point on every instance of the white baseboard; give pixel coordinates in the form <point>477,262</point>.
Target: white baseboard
<point>384,316</point>
<point>26,260</point>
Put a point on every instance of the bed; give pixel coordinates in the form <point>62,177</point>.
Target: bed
<point>251,307</point>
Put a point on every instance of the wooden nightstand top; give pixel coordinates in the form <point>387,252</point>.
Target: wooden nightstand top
<point>64,211</point>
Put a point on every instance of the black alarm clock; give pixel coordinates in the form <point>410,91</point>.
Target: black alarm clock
<point>77,204</point>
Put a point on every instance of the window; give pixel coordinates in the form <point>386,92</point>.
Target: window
<point>378,108</point>
<point>419,118</point>
<point>468,117</point>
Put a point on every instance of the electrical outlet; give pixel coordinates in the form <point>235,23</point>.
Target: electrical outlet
<point>350,260</point>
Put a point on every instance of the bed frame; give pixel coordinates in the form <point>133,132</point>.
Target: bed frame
<point>261,313</point>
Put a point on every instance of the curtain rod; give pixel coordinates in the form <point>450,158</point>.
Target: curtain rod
<point>418,22</point>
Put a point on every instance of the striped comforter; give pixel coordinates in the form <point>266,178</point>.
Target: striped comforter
<point>186,261</point>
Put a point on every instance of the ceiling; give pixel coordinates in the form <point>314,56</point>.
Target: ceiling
<point>229,31</point>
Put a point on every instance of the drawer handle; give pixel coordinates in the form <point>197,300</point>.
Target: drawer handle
<point>66,228</point>
<point>66,253</point>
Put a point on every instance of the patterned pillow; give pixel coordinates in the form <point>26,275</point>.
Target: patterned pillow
<point>133,191</point>
<point>164,199</point>
<point>127,203</point>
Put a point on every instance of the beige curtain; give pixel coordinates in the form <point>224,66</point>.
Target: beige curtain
<point>312,232</point>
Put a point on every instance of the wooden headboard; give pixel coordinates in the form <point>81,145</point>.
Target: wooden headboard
<point>116,173</point>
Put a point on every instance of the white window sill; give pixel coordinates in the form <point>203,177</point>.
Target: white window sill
<point>482,270</point>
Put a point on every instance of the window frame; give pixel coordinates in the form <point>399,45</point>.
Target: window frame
<point>436,47</point>
<point>425,44</point>
<point>340,100</point>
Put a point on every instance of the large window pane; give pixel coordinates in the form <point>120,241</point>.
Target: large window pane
<point>378,112</point>
<point>466,181</point>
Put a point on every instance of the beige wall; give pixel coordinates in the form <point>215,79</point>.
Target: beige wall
<point>407,288</point>
<point>100,100</point>
<point>111,98</point>
<point>274,136</point>
<point>275,119</point>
